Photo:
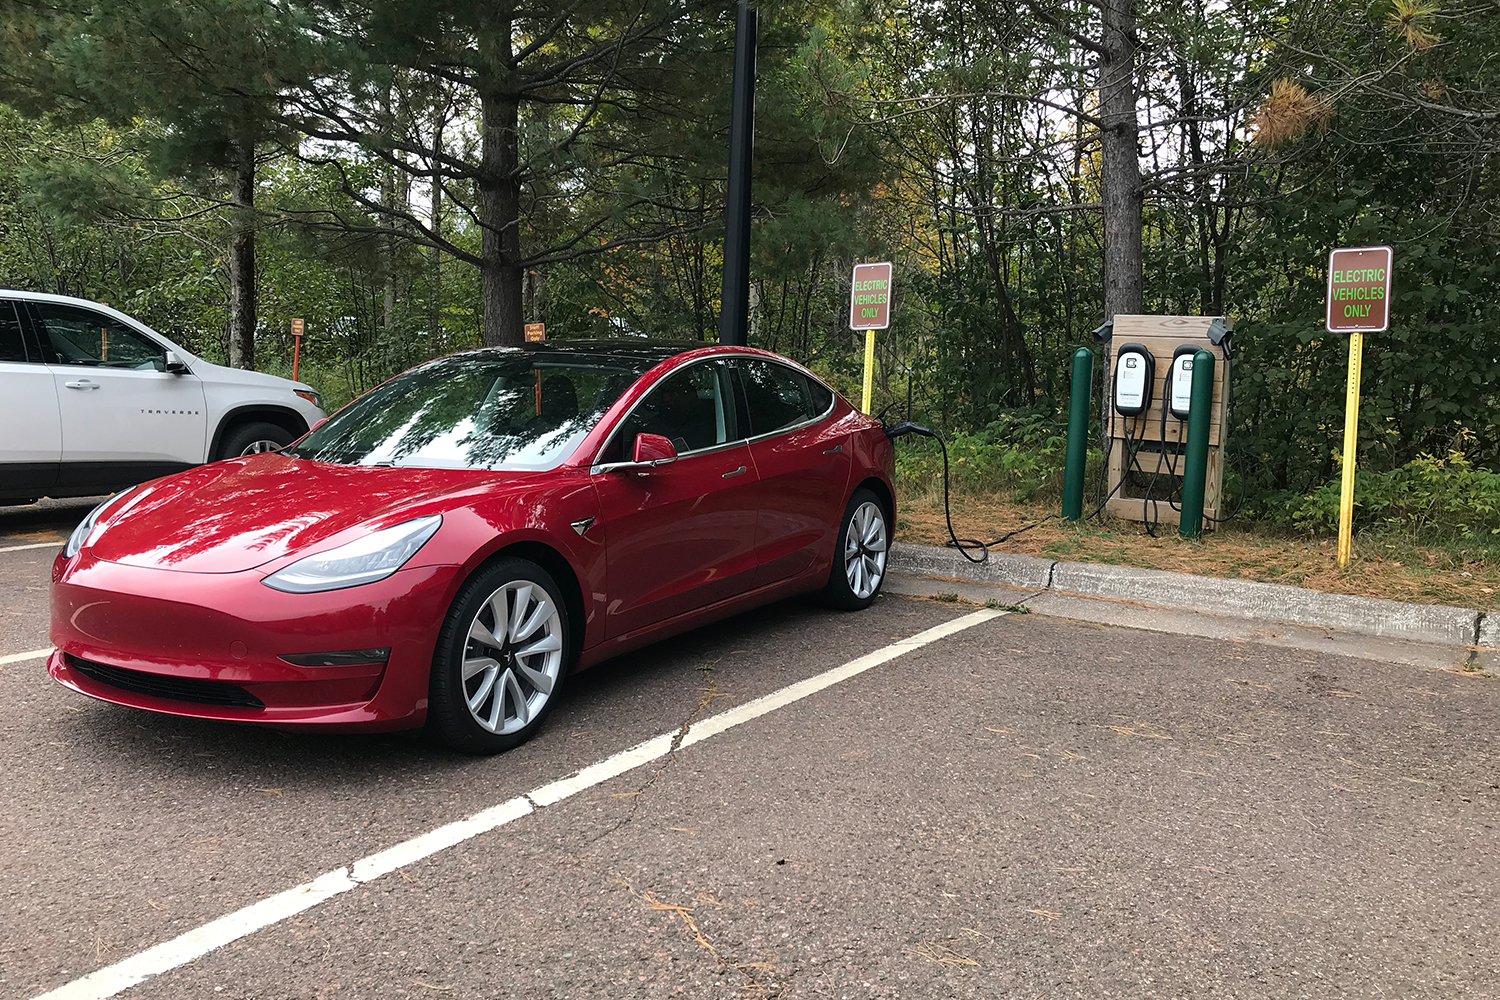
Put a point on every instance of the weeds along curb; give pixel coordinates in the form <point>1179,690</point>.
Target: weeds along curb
<point>1236,598</point>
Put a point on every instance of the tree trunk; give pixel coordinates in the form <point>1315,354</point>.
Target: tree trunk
<point>1123,279</point>
<point>435,255</point>
<point>388,243</point>
<point>242,263</point>
<point>500,197</point>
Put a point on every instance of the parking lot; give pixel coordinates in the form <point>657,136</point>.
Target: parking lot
<point>1024,807</point>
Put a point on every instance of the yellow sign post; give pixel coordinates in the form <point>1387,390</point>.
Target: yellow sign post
<point>1351,434</point>
<point>1359,302</point>
<point>869,368</point>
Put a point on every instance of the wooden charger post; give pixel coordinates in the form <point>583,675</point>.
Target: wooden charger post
<point>1142,436</point>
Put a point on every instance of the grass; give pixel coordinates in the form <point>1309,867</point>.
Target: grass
<point>1391,565</point>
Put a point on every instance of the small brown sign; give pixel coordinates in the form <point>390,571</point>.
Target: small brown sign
<point>296,327</point>
<point>870,297</point>
<point>536,331</point>
<point>1359,290</point>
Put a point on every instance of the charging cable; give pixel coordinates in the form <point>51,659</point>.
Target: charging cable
<point>965,546</point>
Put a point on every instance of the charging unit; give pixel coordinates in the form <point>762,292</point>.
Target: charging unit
<point>1135,377</point>
<point>1180,381</point>
<point>1146,420</point>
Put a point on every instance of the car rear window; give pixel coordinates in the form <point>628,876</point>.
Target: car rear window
<point>775,395</point>
<point>12,347</point>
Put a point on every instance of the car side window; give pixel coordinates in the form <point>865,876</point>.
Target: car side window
<point>76,336</point>
<point>822,397</point>
<point>12,346</point>
<point>775,395</point>
<point>688,407</point>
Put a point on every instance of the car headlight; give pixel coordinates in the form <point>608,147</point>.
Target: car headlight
<point>364,560</point>
<point>311,395</point>
<point>76,539</point>
<point>81,533</point>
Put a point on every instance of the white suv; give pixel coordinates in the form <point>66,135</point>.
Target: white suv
<point>92,401</point>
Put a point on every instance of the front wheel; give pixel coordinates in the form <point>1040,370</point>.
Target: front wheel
<point>254,438</point>
<point>501,657</point>
<point>860,554</point>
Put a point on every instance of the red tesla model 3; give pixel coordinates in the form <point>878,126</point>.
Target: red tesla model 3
<point>450,546</point>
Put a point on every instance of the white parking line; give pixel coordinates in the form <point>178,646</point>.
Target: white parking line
<point>35,654</point>
<point>231,927</point>
<point>35,545</point>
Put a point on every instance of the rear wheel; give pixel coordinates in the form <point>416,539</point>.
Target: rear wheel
<point>860,555</point>
<point>253,438</point>
<point>501,657</point>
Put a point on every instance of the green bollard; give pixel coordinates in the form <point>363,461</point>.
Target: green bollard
<point>1195,466</point>
<point>1078,433</point>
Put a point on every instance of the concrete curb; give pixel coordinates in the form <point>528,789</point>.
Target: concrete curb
<point>1237,598</point>
<point>1001,567</point>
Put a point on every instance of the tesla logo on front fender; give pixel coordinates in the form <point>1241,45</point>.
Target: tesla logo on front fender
<point>583,525</point>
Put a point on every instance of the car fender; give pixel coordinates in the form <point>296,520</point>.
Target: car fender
<point>487,527</point>
<point>294,420</point>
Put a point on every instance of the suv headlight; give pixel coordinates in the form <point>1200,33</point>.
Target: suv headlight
<point>364,560</point>
<point>311,395</point>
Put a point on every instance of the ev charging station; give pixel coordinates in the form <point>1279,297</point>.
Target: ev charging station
<point>1135,377</point>
<point>1146,421</point>
<point>1180,381</point>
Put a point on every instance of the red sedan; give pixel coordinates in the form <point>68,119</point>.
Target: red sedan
<point>450,546</point>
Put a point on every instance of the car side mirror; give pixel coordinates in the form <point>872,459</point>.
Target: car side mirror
<point>174,365</point>
<point>653,449</point>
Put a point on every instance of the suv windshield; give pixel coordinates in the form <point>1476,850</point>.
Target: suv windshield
<point>495,410</point>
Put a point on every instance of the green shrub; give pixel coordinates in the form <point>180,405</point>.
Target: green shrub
<point>1441,498</point>
<point>1020,453</point>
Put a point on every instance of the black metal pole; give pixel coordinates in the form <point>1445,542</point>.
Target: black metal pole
<point>734,300</point>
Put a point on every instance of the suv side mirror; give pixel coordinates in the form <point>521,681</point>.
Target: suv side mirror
<point>174,365</point>
<point>653,449</point>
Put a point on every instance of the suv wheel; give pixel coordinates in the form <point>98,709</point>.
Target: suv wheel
<point>253,438</point>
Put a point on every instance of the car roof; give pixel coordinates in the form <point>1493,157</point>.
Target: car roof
<point>651,352</point>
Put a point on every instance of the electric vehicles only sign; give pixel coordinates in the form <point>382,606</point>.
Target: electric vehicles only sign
<point>1359,290</point>
<point>870,297</point>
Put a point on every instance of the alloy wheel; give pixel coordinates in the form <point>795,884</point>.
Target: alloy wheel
<point>865,549</point>
<point>257,447</point>
<point>513,657</point>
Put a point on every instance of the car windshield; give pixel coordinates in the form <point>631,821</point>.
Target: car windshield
<point>493,410</point>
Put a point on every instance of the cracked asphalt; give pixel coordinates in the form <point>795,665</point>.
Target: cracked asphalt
<point>1029,808</point>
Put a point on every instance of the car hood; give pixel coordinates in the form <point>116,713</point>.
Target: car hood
<point>207,371</point>
<point>242,513</point>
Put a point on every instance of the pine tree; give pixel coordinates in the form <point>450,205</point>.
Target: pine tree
<point>559,92</point>
<point>206,70</point>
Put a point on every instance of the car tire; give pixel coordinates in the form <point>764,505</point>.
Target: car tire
<point>860,554</point>
<point>493,686</point>
<point>254,437</point>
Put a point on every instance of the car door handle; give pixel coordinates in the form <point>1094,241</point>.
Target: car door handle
<point>82,383</point>
<point>736,472</point>
<point>830,451</point>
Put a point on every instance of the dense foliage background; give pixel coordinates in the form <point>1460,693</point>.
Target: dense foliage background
<point>367,156</point>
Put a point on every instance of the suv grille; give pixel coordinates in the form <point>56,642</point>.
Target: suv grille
<point>162,686</point>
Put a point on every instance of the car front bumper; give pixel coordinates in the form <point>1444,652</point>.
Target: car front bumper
<point>209,645</point>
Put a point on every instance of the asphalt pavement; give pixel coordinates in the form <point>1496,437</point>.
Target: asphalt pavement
<point>1030,807</point>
